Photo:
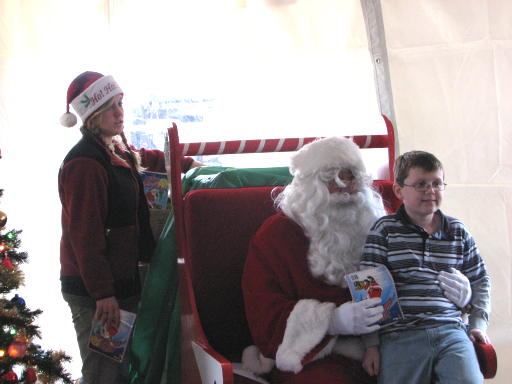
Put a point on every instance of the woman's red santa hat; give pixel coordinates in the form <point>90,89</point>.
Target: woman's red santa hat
<point>86,93</point>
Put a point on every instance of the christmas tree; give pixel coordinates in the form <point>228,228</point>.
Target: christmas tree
<point>21,360</point>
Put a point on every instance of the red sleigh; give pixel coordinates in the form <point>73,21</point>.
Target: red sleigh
<point>213,228</point>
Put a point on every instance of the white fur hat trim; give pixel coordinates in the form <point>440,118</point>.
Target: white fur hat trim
<point>330,152</point>
<point>97,94</point>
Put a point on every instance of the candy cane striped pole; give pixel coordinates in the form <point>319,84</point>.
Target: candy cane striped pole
<point>270,145</point>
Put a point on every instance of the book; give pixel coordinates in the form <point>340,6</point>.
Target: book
<point>109,341</point>
<point>156,189</point>
<point>376,282</point>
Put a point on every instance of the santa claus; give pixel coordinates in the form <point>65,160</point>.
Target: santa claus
<point>305,326</point>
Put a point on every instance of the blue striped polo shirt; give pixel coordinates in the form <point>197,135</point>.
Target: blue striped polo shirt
<point>415,258</point>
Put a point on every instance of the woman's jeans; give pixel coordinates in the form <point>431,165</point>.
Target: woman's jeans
<point>97,368</point>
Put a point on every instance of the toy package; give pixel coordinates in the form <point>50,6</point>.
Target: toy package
<point>156,189</point>
<point>376,282</point>
<point>109,341</point>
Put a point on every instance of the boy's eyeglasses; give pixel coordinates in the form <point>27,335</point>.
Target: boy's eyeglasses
<point>422,186</point>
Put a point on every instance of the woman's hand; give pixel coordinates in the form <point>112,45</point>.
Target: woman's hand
<point>371,361</point>
<point>107,310</point>
<point>196,163</point>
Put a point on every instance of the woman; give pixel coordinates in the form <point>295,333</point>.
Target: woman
<point>105,218</point>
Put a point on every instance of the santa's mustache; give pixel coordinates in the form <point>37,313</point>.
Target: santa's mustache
<point>343,198</point>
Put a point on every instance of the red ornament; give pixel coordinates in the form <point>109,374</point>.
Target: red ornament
<point>30,376</point>
<point>17,349</point>
<point>10,377</point>
<point>7,263</point>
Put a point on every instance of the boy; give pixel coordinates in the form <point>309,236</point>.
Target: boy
<point>426,252</point>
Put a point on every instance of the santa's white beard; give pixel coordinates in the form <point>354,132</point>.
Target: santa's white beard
<point>336,249</point>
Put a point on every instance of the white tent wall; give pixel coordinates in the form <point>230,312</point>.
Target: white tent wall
<point>451,76</point>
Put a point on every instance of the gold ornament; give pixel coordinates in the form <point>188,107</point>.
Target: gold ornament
<point>3,220</point>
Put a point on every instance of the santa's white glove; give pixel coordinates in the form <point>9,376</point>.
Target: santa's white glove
<point>356,318</point>
<point>456,287</point>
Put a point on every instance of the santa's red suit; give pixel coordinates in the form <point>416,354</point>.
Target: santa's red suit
<point>288,310</point>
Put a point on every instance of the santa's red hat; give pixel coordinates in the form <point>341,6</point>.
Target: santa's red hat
<point>86,93</point>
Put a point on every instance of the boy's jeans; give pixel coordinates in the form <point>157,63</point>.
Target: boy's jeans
<point>442,354</point>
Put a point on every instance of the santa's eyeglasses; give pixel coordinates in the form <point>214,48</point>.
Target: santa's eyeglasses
<point>344,175</point>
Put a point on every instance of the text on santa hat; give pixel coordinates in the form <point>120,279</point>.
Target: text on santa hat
<point>99,95</point>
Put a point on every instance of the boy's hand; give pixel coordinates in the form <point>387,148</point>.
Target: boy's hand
<point>479,335</point>
<point>371,361</point>
<point>456,287</point>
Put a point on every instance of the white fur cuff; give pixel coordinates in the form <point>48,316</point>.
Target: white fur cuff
<point>255,362</point>
<point>305,328</point>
